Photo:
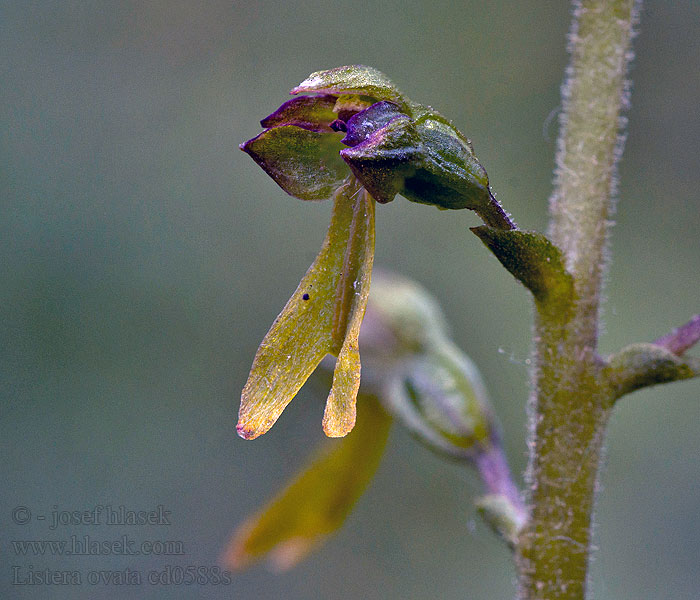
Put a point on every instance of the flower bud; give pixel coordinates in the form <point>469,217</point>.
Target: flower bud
<point>435,390</point>
<point>423,379</point>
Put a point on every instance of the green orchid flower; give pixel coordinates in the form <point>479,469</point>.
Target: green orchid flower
<point>356,138</point>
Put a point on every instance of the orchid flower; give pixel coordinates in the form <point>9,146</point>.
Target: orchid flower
<point>356,138</point>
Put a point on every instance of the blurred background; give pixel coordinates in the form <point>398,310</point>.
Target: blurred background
<point>143,257</point>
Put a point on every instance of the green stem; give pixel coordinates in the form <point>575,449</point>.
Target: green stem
<point>571,398</point>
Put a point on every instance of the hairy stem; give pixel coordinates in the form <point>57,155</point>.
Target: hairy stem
<point>571,399</point>
<point>589,145</point>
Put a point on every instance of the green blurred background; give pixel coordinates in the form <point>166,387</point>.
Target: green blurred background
<point>143,257</point>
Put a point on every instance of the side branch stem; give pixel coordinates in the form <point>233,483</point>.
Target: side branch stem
<point>682,338</point>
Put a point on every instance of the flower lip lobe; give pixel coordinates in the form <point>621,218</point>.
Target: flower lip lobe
<point>309,327</point>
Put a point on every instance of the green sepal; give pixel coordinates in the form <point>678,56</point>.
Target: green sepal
<point>352,79</point>
<point>449,176</point>
<point>427,162</point>
<point>318,500</point>
<point>533,260</point>
<point>323,316</point>
<point>305,164</point>
<point>640,365</point>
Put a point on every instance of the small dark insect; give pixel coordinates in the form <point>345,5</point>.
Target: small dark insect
<point>305,297</point>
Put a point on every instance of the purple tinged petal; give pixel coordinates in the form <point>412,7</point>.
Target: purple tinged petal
<point>314,113</point>
<point>384,159</point>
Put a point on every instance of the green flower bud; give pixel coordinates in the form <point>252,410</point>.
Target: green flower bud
<point>424,380</point>
<point>435,390</point>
